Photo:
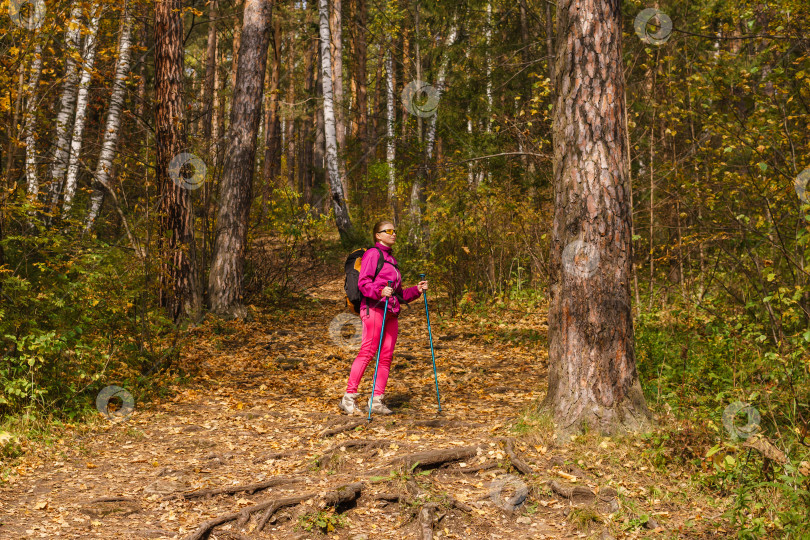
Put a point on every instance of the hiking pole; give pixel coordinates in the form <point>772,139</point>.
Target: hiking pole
<point>379,349</point>
<point>432,355</point>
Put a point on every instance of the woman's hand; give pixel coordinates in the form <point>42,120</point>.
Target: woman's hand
<point>387,291</point>
<point>422,286</point>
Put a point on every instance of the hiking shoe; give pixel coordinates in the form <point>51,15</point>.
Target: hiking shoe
<point>377,406</point>
<point>348,405</point>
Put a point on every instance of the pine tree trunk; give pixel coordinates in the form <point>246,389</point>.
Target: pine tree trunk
<point>592,371</point>
<point>342,220</point>
<point>64,120</point>
<point>225,279</point>
<point>180,291</point>
<point>89,56</point>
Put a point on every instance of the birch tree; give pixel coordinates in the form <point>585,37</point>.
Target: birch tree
<point>342,219</point>
<point>31,173</point>
<point>225,279</point>
<point>112,125</point>
<point>430,139</point>
<point>67,104</point>
<point>89,56</point>
<point>390,153</point>
<point>592,370</point>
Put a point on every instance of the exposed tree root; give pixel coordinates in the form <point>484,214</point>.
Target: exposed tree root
<point>427,517</point>
<point>577,494</point>
<point>352,443</point>
<point>344,427</point>
<point>515,459</point>
<point>249,488</point>
<point>339,497</point>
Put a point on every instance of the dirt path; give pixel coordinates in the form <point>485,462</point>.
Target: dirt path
<point>260,411</point>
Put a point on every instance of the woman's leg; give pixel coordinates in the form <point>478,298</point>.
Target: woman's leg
<point>387,353</point>
<point>368,348</point>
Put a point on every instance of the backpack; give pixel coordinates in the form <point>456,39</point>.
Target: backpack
<point>352,269</point>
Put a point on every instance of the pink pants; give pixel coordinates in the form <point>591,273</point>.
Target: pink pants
<point>368,350</point>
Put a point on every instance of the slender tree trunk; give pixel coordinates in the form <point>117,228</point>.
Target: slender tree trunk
<point>289,128</point>
<point>225,279</point>
<point>374,125</point>
<point>342,219</point>
<point>336,50</point>
<point>417,195</point>
<point>31,173</point>
<point>272,146</point>
<point>238,7</point>
<point>592,373</point>
<point>360,74</point>
<point>319,148</point>
<point>81,112</point>
<point>112,128</point>
<point>180,291</point>
<point>307,119</point>
<point>391,138</point>
<point>210,76</point>
<point>64,119</point>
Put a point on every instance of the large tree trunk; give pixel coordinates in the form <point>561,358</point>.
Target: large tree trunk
<point>180,291</point>
<point>342,220</point>
<point>592,370</point>
<point>64,120</point>
<point>225,279</point>
<point>89,56</point>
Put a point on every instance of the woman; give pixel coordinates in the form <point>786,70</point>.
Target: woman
<point>371,313</point>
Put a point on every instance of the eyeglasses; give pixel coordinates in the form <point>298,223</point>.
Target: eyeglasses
<point>392,232</point>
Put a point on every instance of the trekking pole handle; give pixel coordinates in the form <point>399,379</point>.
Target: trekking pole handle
<point>422,277</point>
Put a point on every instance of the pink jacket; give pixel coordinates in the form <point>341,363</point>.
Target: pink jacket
<point>371,289</point>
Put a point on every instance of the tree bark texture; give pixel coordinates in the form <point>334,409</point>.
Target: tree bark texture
<point>342,220</point>
<point>180,291</point>
<point>592,370</point>
<point>225,279</point>
<point>64,120</point>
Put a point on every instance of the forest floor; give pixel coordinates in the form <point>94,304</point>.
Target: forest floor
<point>259,422</point>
